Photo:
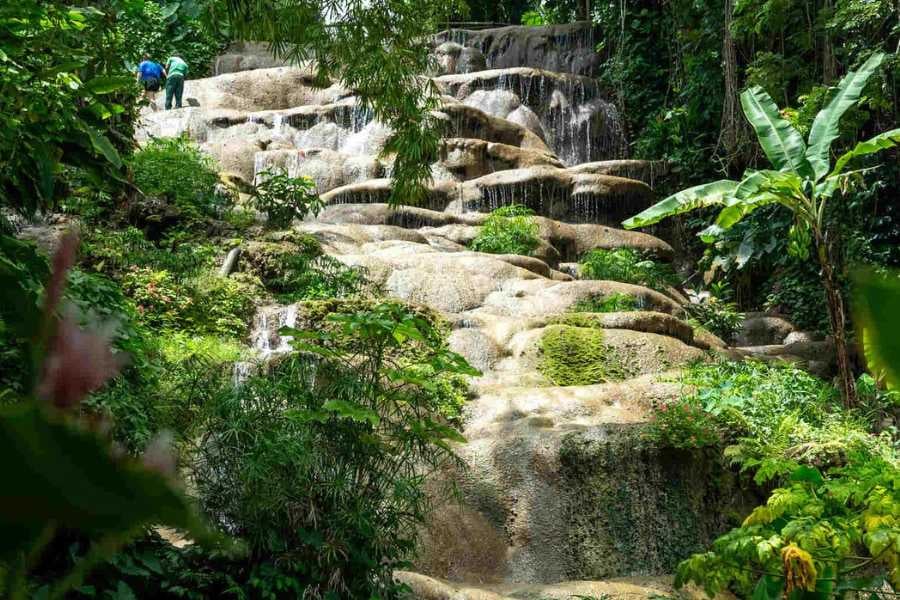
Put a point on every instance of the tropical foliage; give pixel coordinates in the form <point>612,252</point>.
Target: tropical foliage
<point>284,198</point>
<point>803,182</point>
<point>508,230</point>
<point>58,66</point>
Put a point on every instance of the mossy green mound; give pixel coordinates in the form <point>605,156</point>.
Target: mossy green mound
<point>576,356</point>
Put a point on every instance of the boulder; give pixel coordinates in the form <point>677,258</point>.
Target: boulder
<point>760,329</point>
<point>259,89</point>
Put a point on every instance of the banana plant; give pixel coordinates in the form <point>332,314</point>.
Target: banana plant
<point>802,179</point>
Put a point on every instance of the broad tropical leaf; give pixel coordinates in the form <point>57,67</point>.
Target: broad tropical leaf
<point>103,146</point>
<point>757,189</point>
<point>825,126</point>
<point>782,143</point>
<point>107,85</point>
<point>734,212</point>
<point>707,194</point>
<point>877,298</point>
<point>882,141</point>
<point>57,472</point>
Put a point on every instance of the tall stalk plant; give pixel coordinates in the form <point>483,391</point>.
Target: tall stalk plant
<point>803,180</point>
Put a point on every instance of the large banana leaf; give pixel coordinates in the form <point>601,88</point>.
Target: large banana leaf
<point>757,189</point>
<point>876,299</point>
<point>825,126</point>
<point>707,194</point>
<point>880,142</point>
<point>734,211</point>
<point>782,143</point>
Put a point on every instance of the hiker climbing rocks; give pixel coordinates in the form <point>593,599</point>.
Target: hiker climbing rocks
<point>175,72</point>
<point>149,74</point>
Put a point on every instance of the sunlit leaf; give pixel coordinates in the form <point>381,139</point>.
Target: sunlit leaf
<point>782,143</point>
<point>826,126</point>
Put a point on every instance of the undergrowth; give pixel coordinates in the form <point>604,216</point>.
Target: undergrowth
<point>627,265</point>
<point>508,230</point>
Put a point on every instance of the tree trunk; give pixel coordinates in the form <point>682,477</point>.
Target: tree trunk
<point>731,128</point>
<point>837,317</point>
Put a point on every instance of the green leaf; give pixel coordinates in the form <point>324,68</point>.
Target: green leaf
<point>169,10</point>
<point>707,194</point>
<point>107,85</point>
<point>57,472</point>
<point>102,145</point>
<point>808,474</point>
<point>825,127</point>
<point>882,141</point>
<point>768,588</point>
<point>877,298</point>
<point>782,143</point>
<point>353,411</point>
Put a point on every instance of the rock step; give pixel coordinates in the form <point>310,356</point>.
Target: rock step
<point>550,192</point>
<point>626,588</point>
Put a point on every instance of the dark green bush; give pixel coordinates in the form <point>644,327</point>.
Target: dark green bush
<point>508,230</point>
<point>176,170</point>
<point>627,265</point>
<point>284,198</point>
<point>318,466</point>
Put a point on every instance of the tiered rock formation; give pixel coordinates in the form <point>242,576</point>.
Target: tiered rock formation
<point>558,484</point>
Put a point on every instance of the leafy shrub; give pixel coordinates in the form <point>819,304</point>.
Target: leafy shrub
<point>161,301</point>
<point>66,104</point>
<point>160,31</point>
<point>284,455</point>
<point>834,481</point>
<point>682,424</point>
<point>284,198</point>
<point>628,266</point>
<point>23,271</point>
<point>208,305</point>
<point>101,301</point>
<point>176,169</point>
<point>114,252</point>
<point>221,306</point>
<point>818,532</point>
<point>54,453</point>
<point>797,291</point>
<point>508,230</point>
<point>617,302</point>
<point>713,314</point>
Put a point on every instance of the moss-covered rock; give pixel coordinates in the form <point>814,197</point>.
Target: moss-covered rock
<point>576,356</point>
<point>270,260</point>
<point>639,510</point>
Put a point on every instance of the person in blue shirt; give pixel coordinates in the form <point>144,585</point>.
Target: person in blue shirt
<point>150,74</point>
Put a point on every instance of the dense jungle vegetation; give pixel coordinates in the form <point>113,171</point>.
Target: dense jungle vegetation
<point>118,345</point>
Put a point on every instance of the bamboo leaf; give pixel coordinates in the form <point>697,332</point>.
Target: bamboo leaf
<point>782,143</point>
<point>825,126</point>
<point>707,194</point>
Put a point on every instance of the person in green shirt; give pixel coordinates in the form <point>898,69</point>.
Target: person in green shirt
<point>175,72</point>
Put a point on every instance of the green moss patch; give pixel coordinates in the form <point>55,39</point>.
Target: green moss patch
<point>576,356</point>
